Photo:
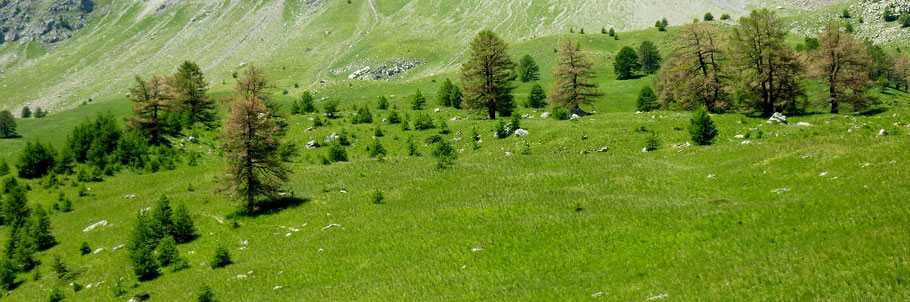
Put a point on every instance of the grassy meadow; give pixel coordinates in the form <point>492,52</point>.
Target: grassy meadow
<point>787,212</point>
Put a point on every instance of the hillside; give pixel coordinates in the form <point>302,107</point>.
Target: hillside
<point>580,209</point>
<point>308,38</point>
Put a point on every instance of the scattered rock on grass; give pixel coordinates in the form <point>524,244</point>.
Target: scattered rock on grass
<point>545,115</point>
<point>95,225</point>
<point>882,132</point>
<point>778,118</point>
<point>119,247</point>
<point>521,132</point>
<point>803,124</point>
<point>331,226</point>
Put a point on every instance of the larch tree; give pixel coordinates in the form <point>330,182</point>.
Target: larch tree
<point>693,75</point>
<point>626,63</point>
<point>251,137</point>
<point>487,76</point>
<point>573,77</point>
<point>843,64</point>
<point>254,84</point>
<point>152,102</point>
<point>190,93</point>
<point>769,70</point>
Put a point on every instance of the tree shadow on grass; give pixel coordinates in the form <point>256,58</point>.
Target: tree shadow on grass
<point>275,206</point>
<point>873,111</point>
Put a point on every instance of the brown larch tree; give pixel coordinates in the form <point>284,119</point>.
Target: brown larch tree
<point>768,70</point>
<point>842,64</point>
<point>693,75</point>
<point>254,83</point>
<point>251,141</point>
<point>153,101</point>
<point>573,84</point>
<point>488,76</point>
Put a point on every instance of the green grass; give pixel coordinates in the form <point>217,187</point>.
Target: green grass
<point>563,222</point>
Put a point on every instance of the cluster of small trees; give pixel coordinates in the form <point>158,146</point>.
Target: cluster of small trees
<point>753,68</point>
<point>153,242</point>
<point>29,232</point>
<point>27,112</point>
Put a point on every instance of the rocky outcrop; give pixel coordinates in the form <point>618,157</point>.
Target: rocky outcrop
<point>385,71</point>
<point>44,21</point>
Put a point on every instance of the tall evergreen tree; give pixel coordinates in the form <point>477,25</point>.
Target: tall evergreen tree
<point>184,229</point>
<point>40,229</point>
<point>15,205</point>
<point>528,70</point>
<point>626,63</point>
<point>141,247</point>
<point>251,142</point>
<point>537,98</point>
<point>694,74</point>
<point>418,101</point>
<point>444,94</point>
<point>573,84</point>
<point>307,102</point>
<point>487,76</point>
<point>647,100</point>
<point>649,57</point>
<point>701,127</point>
<point>455,97</point>
<point>190,93</point>
<point>161,218</point>
<point>7,124</point>
<point>152,102</point>
<point>843,65</point>
<point>770,70</point>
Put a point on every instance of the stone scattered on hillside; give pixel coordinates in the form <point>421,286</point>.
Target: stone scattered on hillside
<point>545,115</point>
<point>331,226</point>
<point>882,132</point>
<point>644,150</point>
<point>119,247</point>
<point>456,118</point>
<point>777,117</point>
<point>575,117</point>
<point>437,110</point>
<point>508,153</point>
<point>746,142</point>
<point>658,297</point>
<point>711,176</point>
<point>95,225</point>
<point>521,132</point>
<point>823,174</point>
<point>527,116</point>
<point>310,129</point>
<point>603,149</point>
<point>129,196</point>
<point>100,249</point>
<point>804,124</point>
<point>739,136</point>
<point>331,137</point>
<point>476,249</point>
<point>781,190</point>
<point>312,144</point>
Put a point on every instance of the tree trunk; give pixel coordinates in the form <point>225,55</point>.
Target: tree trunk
<point>835,105</point>
<point>491,110</point>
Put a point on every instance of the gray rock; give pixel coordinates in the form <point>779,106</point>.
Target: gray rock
<point>545,115</point>
<point>882,132</point>
<point>777,117</point>
<point>521,132</point>
<point>312,144</point>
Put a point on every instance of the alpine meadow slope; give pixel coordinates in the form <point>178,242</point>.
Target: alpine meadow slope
<point>618,205</point>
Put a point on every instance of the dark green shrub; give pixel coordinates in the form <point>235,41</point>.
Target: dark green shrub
<point>418,101</point>
<point>167,251</point>
<point>653,142</point>
<point>537,98</point>
<point>184,229</point>
<point>36,160</point>
<point>561,114</point>
<point>363,116</point>
<point>647,100</point>
<point>337,153</point>
<point>394,118</point>
<point>423,122</point>
<point>377,197</point>
<point>383,103</point>
<point>444,154</point>
<point>376,149</point>
<point>84,249</point>
<point>56,295</point>
<point>222,257</point>
<point>206,295</point>
<point>701,127</point>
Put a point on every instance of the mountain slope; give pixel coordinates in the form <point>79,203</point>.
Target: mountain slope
<point>308,38</point>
